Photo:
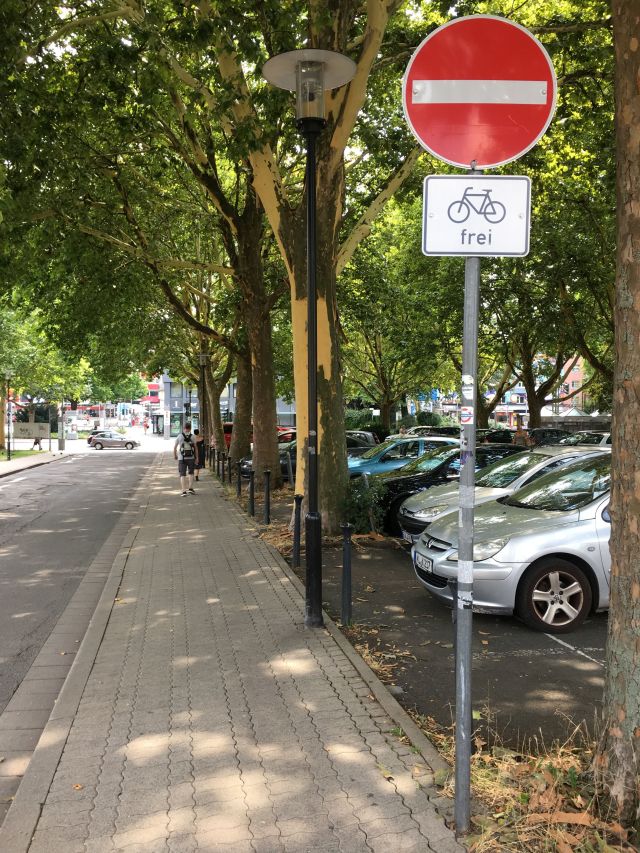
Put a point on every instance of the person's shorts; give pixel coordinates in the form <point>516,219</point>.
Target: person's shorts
<point>186,466</point>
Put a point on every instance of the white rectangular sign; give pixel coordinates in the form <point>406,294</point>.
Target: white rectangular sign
<point>476,215</point>
<point>30,430</point>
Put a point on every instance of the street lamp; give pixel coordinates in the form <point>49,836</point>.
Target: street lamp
<point>310,73</point>
<point>8,374</point>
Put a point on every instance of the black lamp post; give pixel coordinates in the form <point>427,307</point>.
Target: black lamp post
<point>309,73</point>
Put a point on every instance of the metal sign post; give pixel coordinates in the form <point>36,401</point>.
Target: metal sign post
<point>478,92</point>
<point>464,603</point>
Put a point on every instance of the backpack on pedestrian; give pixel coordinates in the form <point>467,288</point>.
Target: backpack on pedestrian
<point>187,447</point>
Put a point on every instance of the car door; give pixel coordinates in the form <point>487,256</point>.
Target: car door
<point>603,531</point>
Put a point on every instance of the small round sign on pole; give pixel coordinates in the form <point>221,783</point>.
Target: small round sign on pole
<point>479,92</point>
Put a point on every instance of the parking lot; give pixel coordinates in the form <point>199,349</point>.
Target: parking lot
<point>524,682</point>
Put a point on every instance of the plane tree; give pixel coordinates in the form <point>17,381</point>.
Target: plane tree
<point>618,760</point>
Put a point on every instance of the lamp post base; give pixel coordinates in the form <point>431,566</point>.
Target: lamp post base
<point>313,542</point>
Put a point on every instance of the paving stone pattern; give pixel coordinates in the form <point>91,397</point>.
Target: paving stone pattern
<point>213,721</point>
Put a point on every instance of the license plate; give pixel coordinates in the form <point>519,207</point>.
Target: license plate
<point>424,563</point>
<point>407,537</point>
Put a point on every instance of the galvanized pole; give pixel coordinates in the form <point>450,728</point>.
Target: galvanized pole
<point>464,603</point>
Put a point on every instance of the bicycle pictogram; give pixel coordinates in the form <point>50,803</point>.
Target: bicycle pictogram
<point>480,202</point>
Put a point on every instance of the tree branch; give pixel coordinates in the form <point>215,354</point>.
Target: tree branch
<point>363,228</point>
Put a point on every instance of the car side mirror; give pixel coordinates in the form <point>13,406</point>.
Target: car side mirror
<point>605,515</point>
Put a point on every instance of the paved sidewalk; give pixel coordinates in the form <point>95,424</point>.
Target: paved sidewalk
<point>209,719</point>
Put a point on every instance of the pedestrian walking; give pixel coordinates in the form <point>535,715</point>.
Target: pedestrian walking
<point>199,440</point>
<point>184,450</point>
<point>37,442</point>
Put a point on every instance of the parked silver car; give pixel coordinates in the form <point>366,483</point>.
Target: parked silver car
<point>542,552</point>
<point>108,438</point>
<point>501,478</point>
<point>588,437</point>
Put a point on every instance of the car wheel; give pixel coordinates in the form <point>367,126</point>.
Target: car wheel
<point>98,445</point>
<point>129,446</point>
<point>554,596</point>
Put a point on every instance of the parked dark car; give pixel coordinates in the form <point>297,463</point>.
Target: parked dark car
<point>288,453</point>
<point>431,469</point>
<point>369,438</point>
<point>547,435</point>
<point>495,436</point>
<point>413,431</point>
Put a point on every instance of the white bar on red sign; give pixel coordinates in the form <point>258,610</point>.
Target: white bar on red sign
<point>479,92</point>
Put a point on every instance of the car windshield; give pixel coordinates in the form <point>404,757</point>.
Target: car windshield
<point>430,460</point>
<point>503,472</point>
<point>378,448</point>
<point>569,489</point>
<point>583,438</point>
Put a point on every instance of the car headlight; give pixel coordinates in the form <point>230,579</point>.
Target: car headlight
<point>482,550</point>
<point>429,512</point>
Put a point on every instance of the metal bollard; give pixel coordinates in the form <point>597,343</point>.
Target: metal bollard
<point>267,497</point>
<point>230,464</point>
<point>252,492</point>
<point>346,574</point>
<point>224,468</point>
<point>295,560</point>
<point>238,481</point>
<point>218,455</point>
<point>289,468</point>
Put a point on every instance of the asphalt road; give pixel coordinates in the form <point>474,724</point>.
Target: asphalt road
<point>526,685</point>
<point>53,521</point>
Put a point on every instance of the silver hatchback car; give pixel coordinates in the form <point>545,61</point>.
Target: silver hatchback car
<point>108,438</point>
<point>542,552</point>
<point>497,480</point>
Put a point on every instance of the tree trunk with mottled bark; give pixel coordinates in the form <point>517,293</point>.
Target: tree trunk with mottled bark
<point>618,758</point>
<point>483,411</point>
<point>385,414</point>
<point>241,435</point>
<point>216,383</point>
<point>257,318</point>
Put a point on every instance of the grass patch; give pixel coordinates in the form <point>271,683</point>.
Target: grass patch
<point>18,454</point>
<point>534,800</point>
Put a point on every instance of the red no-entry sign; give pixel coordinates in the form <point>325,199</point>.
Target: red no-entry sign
<point>479,89</point>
